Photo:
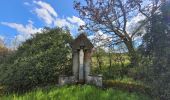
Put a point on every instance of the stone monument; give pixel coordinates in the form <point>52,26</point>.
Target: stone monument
<point>81,53</point>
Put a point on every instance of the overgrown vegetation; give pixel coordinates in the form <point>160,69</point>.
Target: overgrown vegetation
<point>111,18</point>
<point>110,64</point>
<point>77,92</point>
<point>38,61</point>
<point>156,48</point>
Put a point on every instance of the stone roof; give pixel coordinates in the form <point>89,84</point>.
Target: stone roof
<point>81,40</point>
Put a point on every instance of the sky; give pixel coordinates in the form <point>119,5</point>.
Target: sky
<point>21,18</point>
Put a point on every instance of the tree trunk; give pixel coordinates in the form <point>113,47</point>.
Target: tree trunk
<point>110,59</point>
<point>132,53</point>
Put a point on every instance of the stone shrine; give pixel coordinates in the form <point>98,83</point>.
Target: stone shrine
<point>81,53</point>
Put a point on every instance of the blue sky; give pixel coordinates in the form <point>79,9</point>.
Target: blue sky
<point>21,18</point>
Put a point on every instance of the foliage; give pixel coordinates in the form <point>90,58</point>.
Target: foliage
<point>156,47</point>
<point>117,69</point>
<point>77,93</point>
<point>38,61</point>
<point>114,72</point>
<point>98,55</point>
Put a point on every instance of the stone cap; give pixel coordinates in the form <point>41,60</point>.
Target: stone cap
<point>81,41</point>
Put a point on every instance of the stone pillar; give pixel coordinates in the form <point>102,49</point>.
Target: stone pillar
<point>87,61</point>
<point>75,64</point>
<point>81,65</point>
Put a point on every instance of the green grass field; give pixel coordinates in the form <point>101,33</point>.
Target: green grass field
<point>78,92</point>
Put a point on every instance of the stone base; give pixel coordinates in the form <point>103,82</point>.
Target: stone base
<point>95,80</point>
<point>63,80</point>
<point>91,79</point>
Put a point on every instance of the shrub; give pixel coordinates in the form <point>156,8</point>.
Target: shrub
<point>38,61</point>
<point>156,46</point>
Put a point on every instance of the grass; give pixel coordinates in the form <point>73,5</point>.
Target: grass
<point>129,80</point>
<point>76,92</point>
<point>130,86</point>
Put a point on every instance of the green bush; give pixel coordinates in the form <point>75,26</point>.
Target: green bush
<point>38,61</point>
<point>156,46</point>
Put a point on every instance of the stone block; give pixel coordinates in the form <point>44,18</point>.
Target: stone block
<point>64,80</point>
<point>95,80</point>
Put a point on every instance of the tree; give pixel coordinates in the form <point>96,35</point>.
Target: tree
<point>156,45</point>
<point>112,17</point>
<point>38,61</point>
<point>4,51</point>
<point>99,54</point>
<point>1,43</point>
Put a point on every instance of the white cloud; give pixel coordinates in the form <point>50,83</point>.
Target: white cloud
<point>26,3</point>
<point>45,12</point>
<point>76,20</point>
<point>47,7</point>
<point>27,29</point>
<point>44,15</point>
<point>62,23</point>
<point>24,31</point>
<point>134,22</point>
<point>100,39</point>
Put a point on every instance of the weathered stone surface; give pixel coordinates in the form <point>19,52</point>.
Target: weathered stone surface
<point>63,80</point>
<point>82,51</point>
<point>75,64</point>
<point>95,80</point>
<point>87,61</point>
<point>81,65</point>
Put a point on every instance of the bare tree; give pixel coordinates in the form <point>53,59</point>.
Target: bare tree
<point>1,43</point>
<point>112,16</point>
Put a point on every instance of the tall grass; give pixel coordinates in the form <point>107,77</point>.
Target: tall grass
<point>77,92</point>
